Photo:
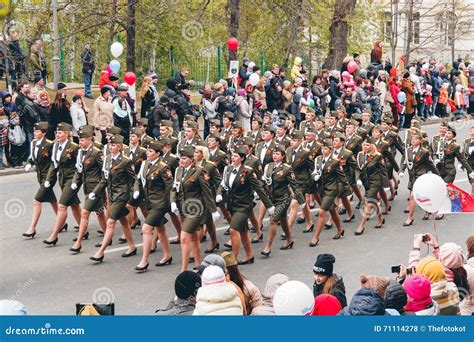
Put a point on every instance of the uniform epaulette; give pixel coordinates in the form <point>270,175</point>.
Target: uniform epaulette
<point>125,157</point>
<point>211,162</point>
<point>95,148</point>
<point>48,141</point>
<point>142,148</point>
<point>424,149</point>
<point>286,164</point>
<point>173,155</point>
<point>306,149</point>
<point>247,167</point>
<point>335,158</point>
<point>385,141</point>
<point>162,163</point>
<point>73,144</point>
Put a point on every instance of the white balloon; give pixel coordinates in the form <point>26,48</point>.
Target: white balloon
<point>116,49</point>
<point>430,192</point>
<point>254,79</point>
<point>293,298</point>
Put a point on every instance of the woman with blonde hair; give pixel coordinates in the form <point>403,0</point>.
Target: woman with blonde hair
<point>147,95</point>
<point>287,93</point>
<point>259,95</point>
<point>369,173</point>
<point>43,105</point>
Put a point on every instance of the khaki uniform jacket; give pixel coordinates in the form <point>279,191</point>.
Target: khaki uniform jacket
<point>156,181</point>
<point>42,161</point>
<point>66,164</point>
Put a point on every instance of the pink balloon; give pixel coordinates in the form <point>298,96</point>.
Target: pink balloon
<point>109,70</point>
<point>352,66</point>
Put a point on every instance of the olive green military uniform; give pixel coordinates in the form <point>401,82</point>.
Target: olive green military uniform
<point>331,174</point>
<point>468,150</point>
<point>347,162</point>
<point>418,163</point>
<point>219,157</point>
<point>370,171</point>
<point>302,163</point>
<point>137,156</point>
<point>354,144</point>
<point>41,158</point>
<point>450,151</point>
<point>267,157</point>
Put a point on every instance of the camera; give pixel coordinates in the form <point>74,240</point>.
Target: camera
<point>396,269</point>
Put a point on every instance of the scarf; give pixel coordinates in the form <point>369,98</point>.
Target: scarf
<point>418,305</point>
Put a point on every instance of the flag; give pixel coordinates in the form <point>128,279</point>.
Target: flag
<point>458,201</point>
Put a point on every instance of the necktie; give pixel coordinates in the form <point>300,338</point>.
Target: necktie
<point>60,148</point>
<point>293,155</point>
<point>366,158</point>
<point>234,171</point>
<point>184,173</point>
<point>150,165</point>
<point>58,155</point>
<point>336,153</point>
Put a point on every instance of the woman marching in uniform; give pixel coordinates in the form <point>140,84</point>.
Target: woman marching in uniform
<point>118,178</point>
<point>155,180</point>
<point>41,149</point>
<point>64,164</point>
<point>418,161</point>
<point>468,150</point>
<point>191,194</point>
<point>446,155</point>
<point>328,174</point>
<point>240,182</point>
<point>280,178</point>
<point>370,173</point>
<point>89,165</point>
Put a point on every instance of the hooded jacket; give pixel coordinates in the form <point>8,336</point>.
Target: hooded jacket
<point>338,290</point>
<point>365,302</point>
<point>218,299</point>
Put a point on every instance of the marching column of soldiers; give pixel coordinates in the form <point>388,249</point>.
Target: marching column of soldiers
<point>284,170</point>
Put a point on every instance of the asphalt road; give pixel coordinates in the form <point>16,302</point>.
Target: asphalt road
<point>49,280</point>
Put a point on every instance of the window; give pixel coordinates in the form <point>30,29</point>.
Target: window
<point>416,28</point>
<point>387,27</point>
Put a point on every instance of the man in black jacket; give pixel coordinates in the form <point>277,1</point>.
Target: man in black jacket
<point>88,67</point>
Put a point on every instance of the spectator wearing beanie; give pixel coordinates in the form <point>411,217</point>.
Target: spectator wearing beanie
<point>78,116</point>
<point>395,299</point>
<point>327,282</point>
<point>365,302</point>
<point>418,289</point>
<point>217,296</point>
<point>443,292</point>
<point>252,295</point>
<point>378,284</point>
<point>103,112</point>
<point>467,305</point>
<point>272,284</point>
<point>326,305</point>
<point>186,286</point>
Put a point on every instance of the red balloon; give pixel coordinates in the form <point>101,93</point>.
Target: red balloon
<point>232,44</point>
<point>130,78</point>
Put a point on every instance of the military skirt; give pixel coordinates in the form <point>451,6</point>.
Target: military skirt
<point>44,195</point>
<point>68,196</point>
<point>281,209</point>
<point>97,204</point>
<point>328,197</point>
<point>156,216</point>
<point>118,209</point>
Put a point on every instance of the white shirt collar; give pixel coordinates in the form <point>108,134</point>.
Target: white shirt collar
<point>38,142</point>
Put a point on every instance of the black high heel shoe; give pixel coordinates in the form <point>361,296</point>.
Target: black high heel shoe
<point>327,225</point>
<point>211,250</point>
<point>136,224</point>
<point>309,230</point>
<point>64,228</point>
<point>204,238</point>
<point>122,240</point>
<point>350,219</point>
<point>359,232</point>
<point>31,235</point>
<point>75,250</point>
<point>167,262</point>
<point>389,209</point>
<point>266,254</point>
<point>99,244</point>
<point>288,246</point>
<point>246,262</point>
<point>338,236</point>
<point>313,244</point>
<point>300,220</point>
<point>257,240</point>
<point>227,232</point>
<point>85,237</point>
<point>141,269</point>
<point>381,224</point>
<point>51,243</point>
<point>99,259</point>
<point>132,253</point>
<point>426,217</point>
<point>407,224</point>
<point>153,250</point>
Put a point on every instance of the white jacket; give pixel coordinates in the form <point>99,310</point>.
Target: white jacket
<point>431,311</point>
<point>467,305</point>
<point>218,299</point>
<point>78,117</point>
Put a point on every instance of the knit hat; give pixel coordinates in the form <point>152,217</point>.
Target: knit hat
<point>187,284</point>
<point>103,90</point>
<point>61,86</point>
<point>417,287</point>
<point>213,275</point>
<point>378,284</point>
<point>324,264</point>
<point>76,97</point>
<point>229,259</point>
<point>395,297</point>
<point>214,259</point>
<point>451,255</point>
<point>326,305</point>
<point>432,268</point>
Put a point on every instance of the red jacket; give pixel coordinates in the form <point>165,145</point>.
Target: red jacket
<point>105,79</point>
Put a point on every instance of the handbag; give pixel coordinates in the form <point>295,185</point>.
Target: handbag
<point>389,98</point>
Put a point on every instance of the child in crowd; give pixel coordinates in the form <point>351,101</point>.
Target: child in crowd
<point>17,137</point>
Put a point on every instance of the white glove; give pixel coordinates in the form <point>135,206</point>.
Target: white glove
<point>302,206</point>
<point>317,176</point>
<point>219,199</point>
<point>27,167</point>
<point>401,174</point>
<point>359,183</point>
<point>91,196</point>
<point>174,208</point>
<point>386,189</point>
<point>271,210</point>
<point>437,161</point>
<point>73,186</point>
<point>460,168</point>
<point>215,216</point>
<point>136,194</point>
<point>47,184</point>
<point>471,175</point>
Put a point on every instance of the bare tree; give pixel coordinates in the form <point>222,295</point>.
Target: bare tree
<point>339,31</point>
<point>131,27</point>
<point>234,7</point>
